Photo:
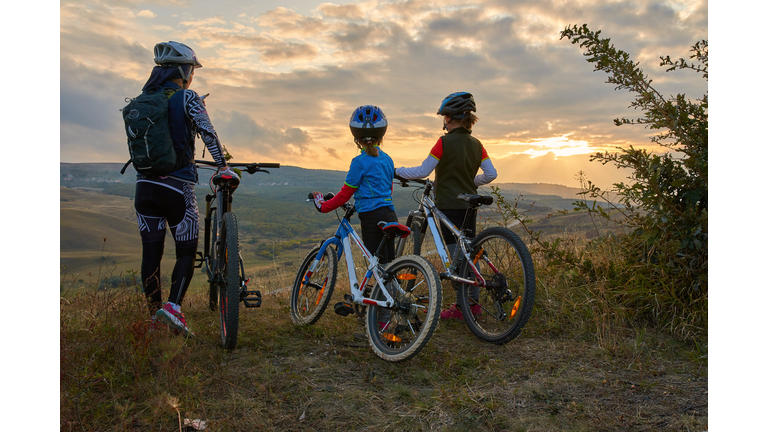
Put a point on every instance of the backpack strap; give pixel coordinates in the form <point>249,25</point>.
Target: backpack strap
<point>122,171</point>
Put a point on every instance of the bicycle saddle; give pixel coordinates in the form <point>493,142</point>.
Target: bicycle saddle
<point>476,200</point>
<point>395,228</point>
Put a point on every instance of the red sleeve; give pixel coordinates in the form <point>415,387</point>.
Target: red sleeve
<point>437,150</point>
<point>484,154</point>
<point>343,196</point>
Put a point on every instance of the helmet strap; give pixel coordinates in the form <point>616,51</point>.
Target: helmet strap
<point>184,78</point>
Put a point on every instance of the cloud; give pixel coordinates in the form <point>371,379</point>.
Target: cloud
<point>146,13</point>
<point>92,98</point>
<point>283,83</point>
<point>282,22</point>
<point>282,52</point>
<point>347,11</point>
<point>245,133</point>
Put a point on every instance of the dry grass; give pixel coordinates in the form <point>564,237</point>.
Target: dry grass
<point>570,370</point>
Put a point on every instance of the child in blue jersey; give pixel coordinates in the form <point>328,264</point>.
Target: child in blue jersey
<point>369,180</point>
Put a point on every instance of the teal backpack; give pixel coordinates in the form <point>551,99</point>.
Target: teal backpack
<point>149,133</point>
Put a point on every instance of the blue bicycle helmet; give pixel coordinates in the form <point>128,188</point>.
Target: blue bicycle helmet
<point>456,104</point>
<point>368,122</point>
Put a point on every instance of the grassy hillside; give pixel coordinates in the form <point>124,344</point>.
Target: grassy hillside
<point>78,233</point>
<point>271,209</point>
<point>581,364</point>
<point>573,369</point>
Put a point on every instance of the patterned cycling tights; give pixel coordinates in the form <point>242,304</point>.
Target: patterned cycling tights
<point>160,202</point>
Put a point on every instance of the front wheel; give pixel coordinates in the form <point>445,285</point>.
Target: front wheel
<point>402,331</point>
<point>313,286</point>
<point>229,289</point>
<point>497,312</point>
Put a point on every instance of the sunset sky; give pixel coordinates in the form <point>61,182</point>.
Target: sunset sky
<point>284,76</point>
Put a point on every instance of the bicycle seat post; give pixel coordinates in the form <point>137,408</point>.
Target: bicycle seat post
<point>383,242</point>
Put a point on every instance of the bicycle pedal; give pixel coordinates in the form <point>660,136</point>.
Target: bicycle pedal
<point>250,298</point>
<point>199,260</point>
<point>343,308</point>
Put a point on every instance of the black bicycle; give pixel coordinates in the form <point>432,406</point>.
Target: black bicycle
<point>221,252</point>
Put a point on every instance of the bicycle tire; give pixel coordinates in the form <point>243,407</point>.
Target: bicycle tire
<point>213,287</point>
<point>397,334</point>
<point>308,301</point>
<point>506,302</point>
<point>229,290</point>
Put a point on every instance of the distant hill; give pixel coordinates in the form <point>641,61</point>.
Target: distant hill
<point>291,184</point>
<point>96,202</point>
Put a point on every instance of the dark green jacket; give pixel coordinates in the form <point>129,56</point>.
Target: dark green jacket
<point>459,159</point>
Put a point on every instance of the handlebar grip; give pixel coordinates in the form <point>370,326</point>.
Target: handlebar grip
<point>326,197</point>
<point>269,165</point>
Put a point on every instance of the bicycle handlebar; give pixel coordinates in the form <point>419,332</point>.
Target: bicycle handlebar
<point>250,168</point>
<point>326,197</point>
<point>404,181</point>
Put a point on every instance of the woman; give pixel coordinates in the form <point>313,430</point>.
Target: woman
<point>169,200</point>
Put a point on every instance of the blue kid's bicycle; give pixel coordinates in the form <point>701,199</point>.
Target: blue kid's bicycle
<point>401,302</point>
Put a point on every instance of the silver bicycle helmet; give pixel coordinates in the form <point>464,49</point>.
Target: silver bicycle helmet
<point>175,53</point>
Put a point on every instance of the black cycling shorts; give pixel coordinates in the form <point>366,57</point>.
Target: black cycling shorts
<point>160,202</point>
<point>372,234</point>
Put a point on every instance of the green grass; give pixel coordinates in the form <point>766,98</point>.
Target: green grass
<point>559,375</point>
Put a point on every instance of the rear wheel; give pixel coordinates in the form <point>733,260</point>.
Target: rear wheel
<point>313,287</point>
<point>229,290</point>
<point>499,310</point>
<point>402,331</point>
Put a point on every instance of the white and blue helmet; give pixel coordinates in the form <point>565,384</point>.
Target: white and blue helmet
<point>368,122</point>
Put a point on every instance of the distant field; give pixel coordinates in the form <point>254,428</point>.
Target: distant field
<point>88,217</point>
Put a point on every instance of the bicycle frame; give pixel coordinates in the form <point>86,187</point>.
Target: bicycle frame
<point>428,211</point>
<point>222,196</point>
<point>343,244</point>
<point>220,202</point>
